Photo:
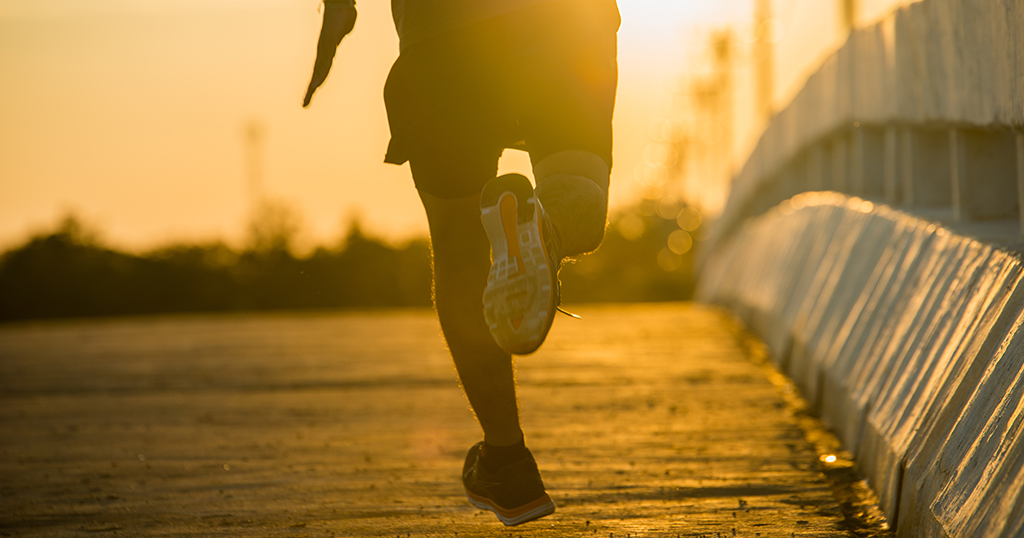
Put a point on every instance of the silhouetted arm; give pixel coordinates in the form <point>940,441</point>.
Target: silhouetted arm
<point>339,19</point>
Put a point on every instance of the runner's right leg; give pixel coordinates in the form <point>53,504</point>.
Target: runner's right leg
<point>522,286</point>
<point>528,241</point>
<point>573,187</point>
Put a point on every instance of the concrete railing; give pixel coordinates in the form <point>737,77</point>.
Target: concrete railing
<point>924,110</point>
<point>896,300</point>
<point>907,339</point>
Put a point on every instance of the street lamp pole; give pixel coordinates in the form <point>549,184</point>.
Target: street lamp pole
<point>763,60</point>
<point>848,12</point>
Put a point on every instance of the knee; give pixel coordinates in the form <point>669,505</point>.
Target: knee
<point>456,235</point>
<point>577,163</point>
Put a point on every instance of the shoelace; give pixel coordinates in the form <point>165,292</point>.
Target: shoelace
<point>554,245</point>
<point>567,313</point>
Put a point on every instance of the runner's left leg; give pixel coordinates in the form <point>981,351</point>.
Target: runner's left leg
<point>461,261</point>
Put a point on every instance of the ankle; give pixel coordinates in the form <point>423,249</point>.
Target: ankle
<point>496,457</point>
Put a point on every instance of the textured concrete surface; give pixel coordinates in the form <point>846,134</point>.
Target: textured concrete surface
<point>646,421</point>
<point>906,338</point>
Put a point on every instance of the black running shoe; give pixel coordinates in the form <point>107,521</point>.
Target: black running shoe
<point>522,293</point>
<point>515,493</point>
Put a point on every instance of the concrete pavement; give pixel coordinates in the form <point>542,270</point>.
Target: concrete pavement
<point>647,420</point>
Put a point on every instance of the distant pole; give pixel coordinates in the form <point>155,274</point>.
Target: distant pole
<point>254,136</point>
<point>848,12</point>
<point>723,46</point>
<point>764,65</point>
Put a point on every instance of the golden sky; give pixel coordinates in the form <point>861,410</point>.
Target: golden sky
<point>132,113</point>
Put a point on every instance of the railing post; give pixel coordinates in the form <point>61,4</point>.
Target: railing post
<point>839,182</point>
<point>1020,179</point>
<point>867,161</point>
<point>890,186</point>
<point>815,172</point>
<point>857,156</point>
<point>957,175</point>
<point>925,167</point>
<point>985,170</point>
<point>906,165</point>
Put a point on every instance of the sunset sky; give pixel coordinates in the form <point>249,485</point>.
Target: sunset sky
<point>132,113</point>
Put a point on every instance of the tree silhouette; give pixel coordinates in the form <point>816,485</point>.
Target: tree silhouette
<point>69,272</point>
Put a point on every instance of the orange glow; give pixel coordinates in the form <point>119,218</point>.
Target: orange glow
<point>135,115</point>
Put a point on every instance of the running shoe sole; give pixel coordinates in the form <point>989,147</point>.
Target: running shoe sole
<point>520,299</point>
<point>528,512</point>
<point>528,478</point>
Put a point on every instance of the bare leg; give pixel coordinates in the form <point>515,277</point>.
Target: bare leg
<point>573,188</point>
<point>461,261</point>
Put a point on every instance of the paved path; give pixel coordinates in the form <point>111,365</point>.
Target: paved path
<point>645,420</point>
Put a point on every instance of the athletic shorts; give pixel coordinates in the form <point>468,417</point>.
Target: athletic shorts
<point>541,79</point>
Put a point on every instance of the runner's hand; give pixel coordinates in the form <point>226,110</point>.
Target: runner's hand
<point>338,22</point>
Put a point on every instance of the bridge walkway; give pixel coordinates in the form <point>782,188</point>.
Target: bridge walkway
<point>646,420</point>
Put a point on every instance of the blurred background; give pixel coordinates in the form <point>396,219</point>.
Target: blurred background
<point>154,156</point>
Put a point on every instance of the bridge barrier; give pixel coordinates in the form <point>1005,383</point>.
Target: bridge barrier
<point>923,110</point>
<point>896,306</point>
<point>907,338</point>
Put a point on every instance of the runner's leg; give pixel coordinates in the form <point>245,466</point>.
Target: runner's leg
<point>500,474</point>
<point>573,187</point>
<point>565,97</point>
<point>461,260</point>
<point>451,130</point>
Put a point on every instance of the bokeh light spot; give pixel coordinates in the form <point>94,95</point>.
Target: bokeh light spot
<point>631,227</point>
<point>668,260</point>
<point>689,219</point>
<point>680,242</point>
<point>668,208</point>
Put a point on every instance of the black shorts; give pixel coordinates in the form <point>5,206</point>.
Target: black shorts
<point>541,79</point>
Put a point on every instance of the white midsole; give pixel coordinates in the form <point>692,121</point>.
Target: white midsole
<point>540,511</point>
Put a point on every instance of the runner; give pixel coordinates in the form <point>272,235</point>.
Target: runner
<point>474,77</point>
